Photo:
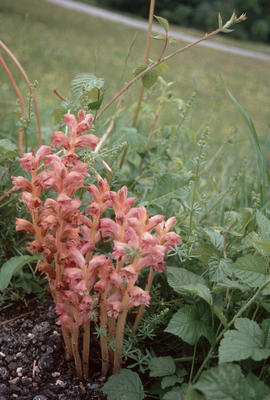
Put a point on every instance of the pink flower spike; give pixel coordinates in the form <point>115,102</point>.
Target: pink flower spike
<point>73,273</point>
<point>28,162</point>
<point>139,296</point>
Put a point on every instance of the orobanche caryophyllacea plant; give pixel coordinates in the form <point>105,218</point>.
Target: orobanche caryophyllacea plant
<point>85,284</point>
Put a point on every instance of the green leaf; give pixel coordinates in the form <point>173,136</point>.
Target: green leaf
<point>266,333</point>
<point>244,342</point>
<point>89,85</point>
<point>162,366</point>
<point>219,273</point>
<point>124,386</point>
<point>226,382</point>
<point>168,185</point>
<point>251,270</point>
<point>182,280</point>
<point>150,78</point>
<point>191,322</point>
<point>216,238</point>
<point>11,266</point>
<point>174,394</point>
<point>204,252</point>
<point>7,149</point>
<point>170,380</point>
<point>192,394</point>
<point>220,23</point>
<point>163,22</point>
<point>263,225</point>
<point>159,37</point>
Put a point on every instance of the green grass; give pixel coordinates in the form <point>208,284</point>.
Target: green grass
<point>54,44</point>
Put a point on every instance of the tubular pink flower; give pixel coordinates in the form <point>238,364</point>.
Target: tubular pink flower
<point>71,123</point>
<point>109,228</point>
<point>59,139</point>
<point>31,202</point>
<point>19,182</point>
<point>114,305</point>
<point>28,162</point>
<point>87,140</point>
<point>76,256</point>
<point>138,296</point>
<point>24,225</point>
<point>129,273</point>
<point>121,203</point>
<point>42,152</point>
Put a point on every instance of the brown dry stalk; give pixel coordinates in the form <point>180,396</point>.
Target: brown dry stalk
<point>16,62</point>
<point>86,348</point>
<point>19,95</point>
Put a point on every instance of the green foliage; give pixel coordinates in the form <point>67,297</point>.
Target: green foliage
<point>13,265</point>
<point>248,340</point>
<point>124,386</point>
<point>226,382</point>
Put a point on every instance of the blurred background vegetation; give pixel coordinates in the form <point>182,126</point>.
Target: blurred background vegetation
<point>202,14</point>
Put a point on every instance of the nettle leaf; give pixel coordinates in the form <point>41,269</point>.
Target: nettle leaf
<point>162,366</point>
<point>248,340</point>
<point>216,238</point>
<point>192,394</point>
<point>124,386</point>
<point>192,322</point>
<point>221,271</point>
<point>168,185</point>
<point>171,380</point>
<point>251,269</point>
<point>204,252</point>
<point>10,267</point>
<point>182,280</point>
<point>226,382</point>
<point>7,149</point>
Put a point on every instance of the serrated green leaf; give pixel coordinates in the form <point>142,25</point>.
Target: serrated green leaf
<point>247,340</point>
<point>168,381</point>
<point>182,280</point>
<point>219,273</point>
<point>10,267</point>
<point>192,394</point>
<point>124,386</point>
<point>204,252</point>
<point>174,394</point>
<point>163,22</point>
<point>257,389</point>
<point>251,270</point>
<point>162,366</point>
<point>190,323</point>
<point>6,146</point>
<point>168,185</point>
<point>226,382</point>
<point>216,238</point>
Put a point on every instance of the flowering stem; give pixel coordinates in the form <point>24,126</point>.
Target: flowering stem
<point>103,337</point>
<point>119,336</point>
<point>86,348</point>
<point>142,307</point>
<point>75,351</point>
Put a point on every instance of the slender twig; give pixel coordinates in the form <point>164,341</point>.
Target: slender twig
<point>155,64</point>
<point>14,59</point>
<point>19,95</point>
<point>55,91</point>
<point>104,137</point>
<point>148,46</point>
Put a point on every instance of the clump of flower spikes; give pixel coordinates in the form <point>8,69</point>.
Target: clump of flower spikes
<point>85,284</point>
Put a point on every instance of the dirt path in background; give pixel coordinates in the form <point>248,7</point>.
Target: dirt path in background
<point>137,23</point>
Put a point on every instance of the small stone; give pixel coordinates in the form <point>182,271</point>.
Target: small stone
<point>40,397</point>
<point>30,335</point>
<point>14,381</point>
<point>26,381</point>
<point>4,374</point>
<point>3,398</point>
<point>43,328</point>
<point>2,354</point>
<point>3,389</point>
<point>19,371</point>
<point>93,386</point>
<point>60,383</point>
<point>55,374</point>
<point>12,366</point>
